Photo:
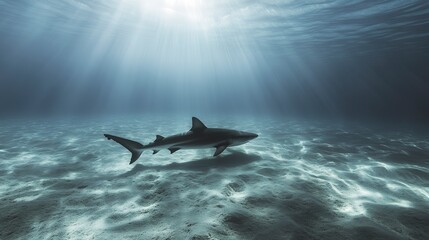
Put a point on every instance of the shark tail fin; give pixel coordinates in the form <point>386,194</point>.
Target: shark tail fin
<point>135,148</point>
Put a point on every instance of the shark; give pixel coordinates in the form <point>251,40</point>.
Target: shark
<point>199,136</point>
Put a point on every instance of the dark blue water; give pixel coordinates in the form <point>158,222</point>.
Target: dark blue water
<point>336,90</point>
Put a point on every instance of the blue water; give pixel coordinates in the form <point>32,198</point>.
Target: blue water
<point>323,58</point>
<point>336,90</point>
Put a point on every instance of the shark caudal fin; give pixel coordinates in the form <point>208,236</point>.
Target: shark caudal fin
<point>135,148</point>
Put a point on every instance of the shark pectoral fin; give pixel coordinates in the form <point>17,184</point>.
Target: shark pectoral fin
<point>155,151</point>
<point>158,138</point>
<point>173,150</point>
<point>220,149</point>
<point>197,125</point>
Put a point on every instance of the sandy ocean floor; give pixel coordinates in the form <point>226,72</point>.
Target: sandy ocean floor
<point>297,180</point>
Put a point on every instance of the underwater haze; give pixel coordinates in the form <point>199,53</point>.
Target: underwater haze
<point>337,91</point>
<point>331,58</point>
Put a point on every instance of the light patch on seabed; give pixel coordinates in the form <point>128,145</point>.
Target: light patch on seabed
<point>213,193</point>
<point>402,203</point>
<point>35,158</point>
<point>84,228</point>
<point>118,163</point>
<point>22,188</point>
<point>353,208</point>
<point>274,153</point>
<point>238,196</point>
<point>366,171</point>
<point>393,187</point>
<point>396,186</point>
<point>71,176</point>
<point>27,198</point>
<point>422,191</point>
<point>302,145</point>
<point>131,208</point>
<point>353,195</point>
<point>27,156</point>
<point>46,160</point>
<point>96,191</point>
<point>71,141</point>
<point>44,227</point>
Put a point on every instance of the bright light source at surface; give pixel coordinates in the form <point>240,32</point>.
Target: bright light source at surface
<point>181,14</point>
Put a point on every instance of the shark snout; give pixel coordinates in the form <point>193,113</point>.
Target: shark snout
<point>253,135</point>
<point>249,136</point>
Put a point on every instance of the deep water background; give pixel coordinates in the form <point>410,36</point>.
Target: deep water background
<point>336,90</point>
<point>338,59</point>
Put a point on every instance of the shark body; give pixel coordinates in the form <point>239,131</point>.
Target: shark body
<point>199,136</point>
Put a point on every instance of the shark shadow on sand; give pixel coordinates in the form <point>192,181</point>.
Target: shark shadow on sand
<point>234,159</point>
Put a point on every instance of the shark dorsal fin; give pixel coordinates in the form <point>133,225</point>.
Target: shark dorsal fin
<point>197,125</point>
<point>158,138</point>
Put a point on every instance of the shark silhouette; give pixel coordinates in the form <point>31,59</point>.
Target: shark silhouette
<point>199,136</point>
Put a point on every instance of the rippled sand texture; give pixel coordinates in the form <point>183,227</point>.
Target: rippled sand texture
<point>297,180</point>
